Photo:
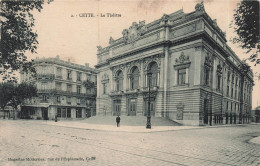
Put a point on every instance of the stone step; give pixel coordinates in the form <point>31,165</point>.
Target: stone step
<point>131,121</point>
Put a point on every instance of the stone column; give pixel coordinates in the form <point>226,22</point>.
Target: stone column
<point>111,81</point>
<point>141,84</point>
<point>214,86</point>
<point>125,79</point>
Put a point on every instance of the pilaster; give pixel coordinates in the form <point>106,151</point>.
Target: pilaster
<point>166,51</point>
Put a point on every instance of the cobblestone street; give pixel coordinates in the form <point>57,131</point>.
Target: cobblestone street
<point>34,143</point>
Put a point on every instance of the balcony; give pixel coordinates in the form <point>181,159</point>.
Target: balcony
<point>66,93</point>
<point>45,76</point>
<point>43,101</point>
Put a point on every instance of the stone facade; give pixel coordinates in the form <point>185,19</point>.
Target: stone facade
<point>196,78</point>
<point>65,89</point>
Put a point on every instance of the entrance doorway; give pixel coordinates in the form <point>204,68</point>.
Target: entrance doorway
<point>132,107</point>
<point>45,113</point>
<point>205,111</point>
<point>117,108</point>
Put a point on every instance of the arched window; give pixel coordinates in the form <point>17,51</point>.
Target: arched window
<point>119,81</point>
<point>154,69</point>
<point>134,78</point>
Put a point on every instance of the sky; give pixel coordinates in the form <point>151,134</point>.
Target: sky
<point>61,30</point>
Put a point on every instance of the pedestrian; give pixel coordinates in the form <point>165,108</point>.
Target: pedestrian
<point>118,121</point>
<point>56,118</point>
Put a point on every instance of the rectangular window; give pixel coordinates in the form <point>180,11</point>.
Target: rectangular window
<point>63,113</point>
<point>69,88</point>
<point>78,101</point>
<point>44,85</point>
<point>232,92</point>
<point>58,86</point>
<point>68,113</point>
<point>44,97</point>
<point>69,100</point>
<point>32,112</point>
<point>43,71</point>
<point>58,99</point>
<point>181,76</point>
<point>59,112</point>
<point>58,72</point>
<point>69,75</point>
<point>78,76</point>
<point>78,89</point>
<point>227,91</point>
<point>78,113</point>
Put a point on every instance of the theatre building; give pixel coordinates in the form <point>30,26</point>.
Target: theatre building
<point>66,90</point>
<point>196,79</point>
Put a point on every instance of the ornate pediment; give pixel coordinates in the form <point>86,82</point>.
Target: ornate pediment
<point>182,62</point>
<point>105,77</point>
<point>182,59</point>
<point>134,32</point>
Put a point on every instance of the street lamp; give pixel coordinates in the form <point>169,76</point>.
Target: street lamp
<point>148,123</point>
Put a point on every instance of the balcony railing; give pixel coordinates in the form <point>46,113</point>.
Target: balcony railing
<point>45,76</point>
<point>66,93</point>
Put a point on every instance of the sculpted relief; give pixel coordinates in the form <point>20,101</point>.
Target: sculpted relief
<point>134,32</point>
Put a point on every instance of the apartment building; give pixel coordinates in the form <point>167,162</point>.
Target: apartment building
<point>66,90</point>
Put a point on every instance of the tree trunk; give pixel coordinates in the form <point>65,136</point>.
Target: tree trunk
<point>14,114</point>
<point>3,111</point>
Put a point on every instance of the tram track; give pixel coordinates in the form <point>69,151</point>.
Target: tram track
<point>111,146</point>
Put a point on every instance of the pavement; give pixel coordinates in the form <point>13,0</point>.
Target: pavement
<point>32,142</point>
<point>81,124</point>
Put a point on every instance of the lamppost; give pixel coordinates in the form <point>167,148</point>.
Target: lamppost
<point>148,123</point>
